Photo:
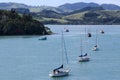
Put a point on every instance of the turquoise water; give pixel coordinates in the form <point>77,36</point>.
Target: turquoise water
<point>27,58</point>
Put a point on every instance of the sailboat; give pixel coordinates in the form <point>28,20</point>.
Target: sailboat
<point>101,31</point>
<point>89,34</point>
<point>85,57</point>
<point>43,37</point>
<point>61,71</point>
<point>66,29</point>
<point>95,48</point>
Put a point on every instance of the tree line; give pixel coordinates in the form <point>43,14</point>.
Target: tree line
<point>12,23</point>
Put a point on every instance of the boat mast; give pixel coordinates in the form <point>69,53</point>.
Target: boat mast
<point>62,46</point>
<point>81,47</point>
<point>64,50</point>
<point>85,40</point>
<point>96,38</point>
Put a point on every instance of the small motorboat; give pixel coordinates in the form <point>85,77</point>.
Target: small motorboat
<point>42,38</point>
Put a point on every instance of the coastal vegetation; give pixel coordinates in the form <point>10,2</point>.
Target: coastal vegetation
<point>12,23</point>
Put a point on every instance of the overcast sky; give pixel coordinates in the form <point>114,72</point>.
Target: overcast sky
<point>59,2</point>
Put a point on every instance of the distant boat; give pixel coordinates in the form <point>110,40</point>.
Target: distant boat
<point>66,29</point>
<point>61,71</point>
<point>89,35</point>
<point>84,57</point>
<point>95,48</point>
<point>101,31</point>
<point>43,38</point>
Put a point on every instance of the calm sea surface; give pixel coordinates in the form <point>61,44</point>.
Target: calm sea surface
<point>27,58</point>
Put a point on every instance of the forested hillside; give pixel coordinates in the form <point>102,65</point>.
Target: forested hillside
<point>11,23</point>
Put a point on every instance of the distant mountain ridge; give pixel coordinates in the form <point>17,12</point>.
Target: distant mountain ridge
<point>80,5</point>
<point>62,8</point>
<point>76,13</point>
<point>110,7</point>
<point>12,5</point>
<point>77,6</point>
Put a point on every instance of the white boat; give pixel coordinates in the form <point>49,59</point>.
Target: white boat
<point>95,48</point>
<point>61,71</point>
<point>101,31</point>
<point>85,57</point>
<point>66,29</point>
<point>59,74</point>
<point>43,37</point>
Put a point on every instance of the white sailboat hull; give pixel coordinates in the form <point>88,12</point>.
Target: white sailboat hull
<point>83,59</point>
<point>95,49</point>
<point>101,31</point>
<point>60,73</point>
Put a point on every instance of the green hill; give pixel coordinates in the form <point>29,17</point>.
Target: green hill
<point>94,17</point>
<point>97,17</point>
